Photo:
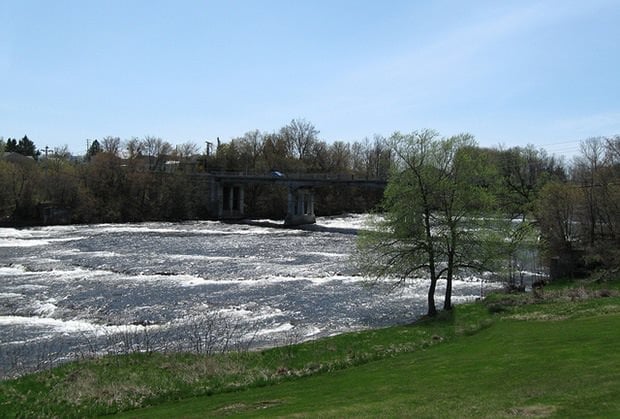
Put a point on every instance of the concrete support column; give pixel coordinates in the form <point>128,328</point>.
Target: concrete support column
<point>291,202</point>
<point>300,206</point>
<point>215,198</point>
<point>311,203</point>
<point>230,201</point>
<point>231,198</point>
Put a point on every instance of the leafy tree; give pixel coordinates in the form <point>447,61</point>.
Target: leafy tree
<point>318,158</point>
<point>523,171</point>
<point>228,157</point>
<point>557,214</point>
<point>589,167</point>
<point>433,224</point>
<point>276,152</point>
<point>597,172</point>
<point>7,201</point>
<point>20,183</point>
<point>106,184</point>
<point>580,219</point>
<point>61,182</point>
<point>250,147</point>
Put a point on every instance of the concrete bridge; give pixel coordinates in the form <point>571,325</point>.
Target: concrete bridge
<point>227,192</point>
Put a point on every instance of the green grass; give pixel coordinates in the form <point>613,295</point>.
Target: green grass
<point>511,355</point>
<point>514,368</point>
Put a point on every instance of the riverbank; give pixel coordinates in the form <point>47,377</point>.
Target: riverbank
<point>551,354</point>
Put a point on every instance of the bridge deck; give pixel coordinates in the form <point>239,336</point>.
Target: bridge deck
<point>297,179</point>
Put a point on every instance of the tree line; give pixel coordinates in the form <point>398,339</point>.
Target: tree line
<point>452,209</point>
<point>145,179</point>
<point>439,191</point>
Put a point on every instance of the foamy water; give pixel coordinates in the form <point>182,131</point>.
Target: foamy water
<point>102,288</point>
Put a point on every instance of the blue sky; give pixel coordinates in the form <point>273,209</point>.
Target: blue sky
<point>508,72</point>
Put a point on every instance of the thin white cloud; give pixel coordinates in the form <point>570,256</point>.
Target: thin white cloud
<point>418,84</point>
<point>463,52</point>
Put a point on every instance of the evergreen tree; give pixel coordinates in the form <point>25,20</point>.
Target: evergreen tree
<point>94,149</point>
<point>11,145</point>
<point>27,148</point>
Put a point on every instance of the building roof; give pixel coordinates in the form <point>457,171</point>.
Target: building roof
<point>15,157</point>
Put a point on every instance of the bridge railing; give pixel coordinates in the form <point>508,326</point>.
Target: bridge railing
<point>295,176</point>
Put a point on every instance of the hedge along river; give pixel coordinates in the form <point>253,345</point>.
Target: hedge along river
<point>84,290</point>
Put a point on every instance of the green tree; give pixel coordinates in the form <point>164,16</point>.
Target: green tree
<point>276,152</point>
<point>250,148</point>
<point>7,202</point>
<point>433,224</point>
<point>597,172</point>
<point>580,219</point>
<point>523,171</point>
<point>105,192</point>
<point>20,184</point>
<point>557,212</point>
<point>60,180</point>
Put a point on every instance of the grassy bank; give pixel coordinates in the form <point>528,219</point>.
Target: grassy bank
<point>509,355</point>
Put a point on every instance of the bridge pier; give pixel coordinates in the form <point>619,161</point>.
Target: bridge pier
<point>227,200</point>
<point>226,193</point>
<point>300,208</point>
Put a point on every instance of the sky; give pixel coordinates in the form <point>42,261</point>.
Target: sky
<point>511,73</point>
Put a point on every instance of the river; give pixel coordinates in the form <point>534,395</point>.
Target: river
<point>72,291</point>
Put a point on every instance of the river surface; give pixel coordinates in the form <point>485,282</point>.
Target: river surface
<point>73,291</point>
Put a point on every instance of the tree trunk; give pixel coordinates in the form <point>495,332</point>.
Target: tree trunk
<point>447,302</point>
<point>432,310</point>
